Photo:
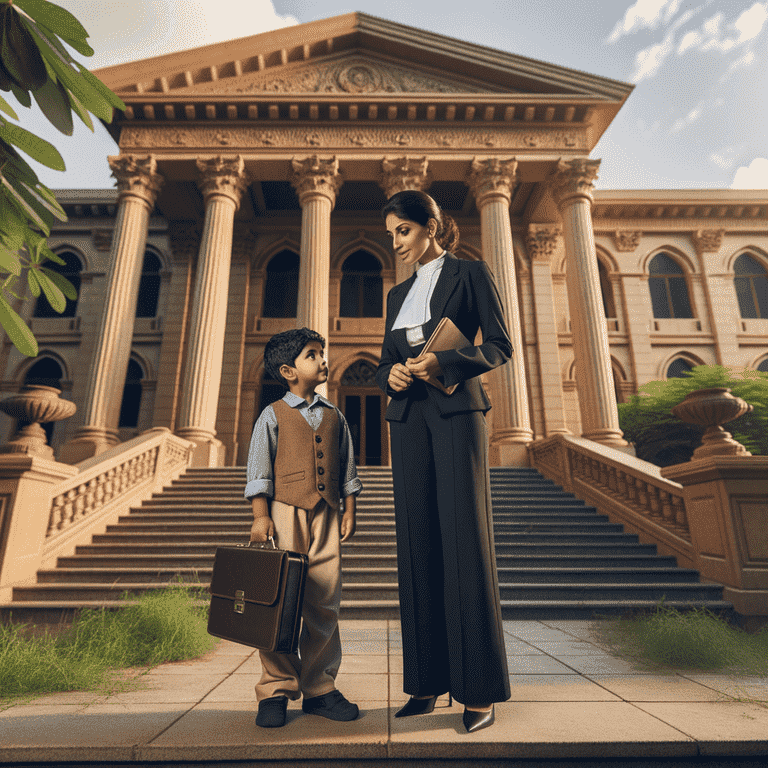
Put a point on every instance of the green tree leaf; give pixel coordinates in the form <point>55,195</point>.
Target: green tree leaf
<point>7,108</point>
<point>18,331</point>
<point>16,198</point>
<point>21,94</point>
<point>52,292</point>
<point>59,21</point>
<point>106,93</point>
<point>61,283</point>
<point>34,284</point>
<point>38,149</point>
<point>21,56</point>
<point>80,111</point>
<point>53,100</point>
<point>9,261</point>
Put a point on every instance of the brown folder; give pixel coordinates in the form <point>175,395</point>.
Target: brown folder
<point>445,336</point>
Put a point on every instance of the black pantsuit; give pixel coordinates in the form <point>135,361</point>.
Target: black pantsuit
<point>449,596</point>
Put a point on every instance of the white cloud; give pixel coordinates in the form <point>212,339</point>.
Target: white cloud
<point>750,24</point>
<point>725,158</point>
<point>649,60</point>
<point>642,15</point>
<point>690,40</point>
<point>753,176</point>
<point>691,117</point>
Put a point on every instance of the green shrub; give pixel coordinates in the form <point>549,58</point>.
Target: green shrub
<point>663,439</point>
<point>695,639</point>
<point>164,625</point>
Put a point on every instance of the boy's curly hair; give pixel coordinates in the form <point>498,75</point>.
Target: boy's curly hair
<point>283,349</point>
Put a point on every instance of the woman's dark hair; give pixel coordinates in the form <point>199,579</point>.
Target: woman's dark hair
<point>413,205</point>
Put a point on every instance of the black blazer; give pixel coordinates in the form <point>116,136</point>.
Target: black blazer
<point>466,293</point>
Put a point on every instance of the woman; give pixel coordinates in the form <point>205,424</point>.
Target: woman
<point>449,596</point>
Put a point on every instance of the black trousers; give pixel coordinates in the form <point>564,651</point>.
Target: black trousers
<point>449,594</point>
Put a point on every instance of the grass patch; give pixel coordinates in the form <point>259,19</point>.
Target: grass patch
<point>697,639</point>
<point>165,625</point>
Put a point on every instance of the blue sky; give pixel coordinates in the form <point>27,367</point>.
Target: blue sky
<point>696,119</point>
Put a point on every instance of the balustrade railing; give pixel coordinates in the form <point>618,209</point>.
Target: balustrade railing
<point>627,489</point>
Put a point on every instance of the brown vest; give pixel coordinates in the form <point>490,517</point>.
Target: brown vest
<point>307,462</point>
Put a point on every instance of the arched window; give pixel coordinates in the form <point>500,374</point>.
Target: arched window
<point>281,292</point>
<point>751,284</point>
<point>46,372</point>
<point>361,286</point>
<point>271,391</point>
<point>131,405</point>
<point>763,366</point>
<point>149,286</point>
<point>607,290</point>
<point>669,290</point>
<point>71,270</point>
<point>678,369</point>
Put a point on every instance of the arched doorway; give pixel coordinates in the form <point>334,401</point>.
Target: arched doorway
<point>363,403</point>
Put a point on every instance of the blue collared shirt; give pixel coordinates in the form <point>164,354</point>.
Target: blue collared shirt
<point>261,454</point>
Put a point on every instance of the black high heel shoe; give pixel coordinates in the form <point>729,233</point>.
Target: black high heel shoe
<point>416,706</point>
<point>474,721</point>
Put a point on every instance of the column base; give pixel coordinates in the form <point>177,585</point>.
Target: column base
<point>510,448</point>
<point>208,451</point>
<point>88,442</point>
<point>748,602</point>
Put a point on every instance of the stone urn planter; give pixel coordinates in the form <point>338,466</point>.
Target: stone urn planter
<point>711,408</point>
<point>36,404</point>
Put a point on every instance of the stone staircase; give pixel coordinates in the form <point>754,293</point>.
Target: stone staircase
<point>557,557</point>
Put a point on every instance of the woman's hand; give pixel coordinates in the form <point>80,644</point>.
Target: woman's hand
<point>424,366</point>
<point>399,378</point>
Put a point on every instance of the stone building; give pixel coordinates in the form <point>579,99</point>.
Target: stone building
<point>249,183</point>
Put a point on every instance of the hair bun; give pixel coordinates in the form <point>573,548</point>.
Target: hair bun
<point>448,237</point>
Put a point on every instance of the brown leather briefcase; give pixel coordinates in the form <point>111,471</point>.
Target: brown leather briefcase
<point>256,595</point>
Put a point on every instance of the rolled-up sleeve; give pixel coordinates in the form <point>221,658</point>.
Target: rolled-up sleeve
<point>349,482</point>
<point>261,456</point>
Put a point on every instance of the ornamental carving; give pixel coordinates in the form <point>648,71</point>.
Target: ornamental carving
<point>222,176</point>
<point>359,374</point>
<point>137,176</point>
<point>401,173</point>
<point>708,240</point>
<point>573,178</point>
<point>316,176</point>
<point>626,240</point>
<point>355,76</point>
<point>492,176</point>
<point>503,139</point>
<point>542,240</point>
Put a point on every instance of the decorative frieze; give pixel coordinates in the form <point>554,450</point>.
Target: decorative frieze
<point>222,176</point>
<point>136,176</point>
<point>337,137</point>
<point>626,240</point>
<point>401,173</point>
<point>492,177</point>
<point>707,240</point>
<point>316,176</point>
<point>542,240</point>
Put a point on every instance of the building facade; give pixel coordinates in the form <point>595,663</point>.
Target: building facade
<point>249,184</point>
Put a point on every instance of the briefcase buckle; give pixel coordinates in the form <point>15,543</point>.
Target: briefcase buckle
<point>239,601</point>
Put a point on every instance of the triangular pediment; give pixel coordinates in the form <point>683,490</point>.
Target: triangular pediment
<point>355,74</point>
<point>352,54</point>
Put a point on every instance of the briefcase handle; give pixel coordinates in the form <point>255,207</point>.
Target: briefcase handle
<point>260,544</point>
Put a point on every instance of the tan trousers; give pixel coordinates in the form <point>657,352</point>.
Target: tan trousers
<point>313,671</point>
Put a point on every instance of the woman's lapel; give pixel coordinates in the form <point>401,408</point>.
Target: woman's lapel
<point>446,285</point>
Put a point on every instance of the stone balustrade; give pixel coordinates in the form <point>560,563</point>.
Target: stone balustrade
<point>631,491</point>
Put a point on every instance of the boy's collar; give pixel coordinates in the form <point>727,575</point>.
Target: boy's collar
<point>295,401</point>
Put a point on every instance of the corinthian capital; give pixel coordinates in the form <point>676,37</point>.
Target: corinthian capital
<point>222,176</point>
<point>707,240</point>
<point>542,241</point>
<point>491,177</point>
<point>401,173</point>
<point>573,178</point>
<point>315,176</point>
<point>137,176</point>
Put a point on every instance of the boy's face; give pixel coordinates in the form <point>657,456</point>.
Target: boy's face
<point>310,367</point>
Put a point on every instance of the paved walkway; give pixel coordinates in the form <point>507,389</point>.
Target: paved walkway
<point>570,700</point>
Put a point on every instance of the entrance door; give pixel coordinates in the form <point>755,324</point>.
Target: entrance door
<point>363,404</point>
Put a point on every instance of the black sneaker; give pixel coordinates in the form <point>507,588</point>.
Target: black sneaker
<point>332,705</point>
<point>272,712</point>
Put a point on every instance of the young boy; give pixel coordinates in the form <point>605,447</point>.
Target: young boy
<point>300,464</point>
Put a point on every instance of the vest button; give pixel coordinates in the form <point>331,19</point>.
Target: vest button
<point>320,471</point>
<point>318,439</point>
<point>319,454</point>
<point>320,487</point>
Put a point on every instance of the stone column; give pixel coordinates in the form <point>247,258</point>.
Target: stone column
<point>492,182</point>
<point>222,182</point>
<point>317,182</point>
<point>572,185</point>
<point>542,242</point>
<point>138,184</point>
<point>399,174</point>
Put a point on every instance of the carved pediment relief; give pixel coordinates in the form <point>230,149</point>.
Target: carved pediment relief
<point>353,75</point>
